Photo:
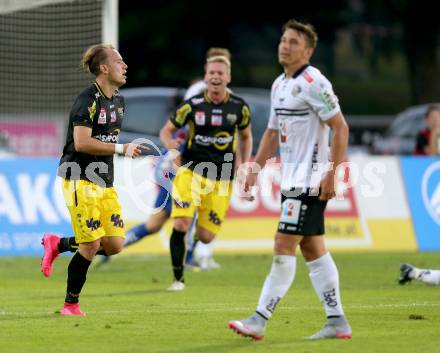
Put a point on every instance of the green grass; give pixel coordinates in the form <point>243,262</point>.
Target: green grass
<point>128,309</point>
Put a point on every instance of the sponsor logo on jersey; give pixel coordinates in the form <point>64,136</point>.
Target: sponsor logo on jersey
<point>121,112</point>
<point>216,120</point>
<point>329,99</point>
<point>217,111</point>
<point>283,131</point>
<point>307,77</point>
<point>113,117</point>
<point>102,116</point>
<point>231,118</point>
<point>200,118</point>
<point>221,140</point>
<point>112,137</point>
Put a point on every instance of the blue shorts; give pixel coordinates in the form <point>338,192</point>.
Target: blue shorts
<point>163,200</point>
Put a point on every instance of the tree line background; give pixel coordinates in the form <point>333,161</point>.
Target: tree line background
<point>381,56</point>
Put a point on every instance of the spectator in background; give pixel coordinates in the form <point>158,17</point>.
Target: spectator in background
<point>428,138</point>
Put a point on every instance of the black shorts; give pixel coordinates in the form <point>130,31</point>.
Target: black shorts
<point>301,214</point>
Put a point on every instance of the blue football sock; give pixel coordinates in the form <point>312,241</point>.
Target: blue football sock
<point>135,234</point>
<point>190,252</point>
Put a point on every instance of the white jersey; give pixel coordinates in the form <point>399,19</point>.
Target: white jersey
<point>299,107</point>
<point>195,89</point>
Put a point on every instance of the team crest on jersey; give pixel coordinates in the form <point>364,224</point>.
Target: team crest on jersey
<point>121,112</point>
<point>232,118</point>
<point>102,117</point>
<point>216,120</point>
<point>296,90</point>
<point>113,117</point>
<point>200,118</point>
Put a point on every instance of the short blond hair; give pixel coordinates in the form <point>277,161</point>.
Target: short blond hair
<point>95,56</point>
<point>220,59</point>
<point>214,51</point>
<point>306,29</point>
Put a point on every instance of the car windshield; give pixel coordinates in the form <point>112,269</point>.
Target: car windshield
<point>260,115</point>
<point>408,124</point>
<point>146,112</point>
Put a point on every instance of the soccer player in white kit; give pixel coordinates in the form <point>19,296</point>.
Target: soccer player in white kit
<point>304,109</point>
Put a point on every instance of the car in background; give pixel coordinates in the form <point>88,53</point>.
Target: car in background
<point>148,109</point>
<point>400,137</point>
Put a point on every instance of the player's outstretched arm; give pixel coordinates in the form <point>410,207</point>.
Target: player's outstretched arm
<point>166,136</point>
<point>85,143</point>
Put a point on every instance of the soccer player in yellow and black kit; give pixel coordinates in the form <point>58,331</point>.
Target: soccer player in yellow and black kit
<point>204,182</point>
<point>87,169</point>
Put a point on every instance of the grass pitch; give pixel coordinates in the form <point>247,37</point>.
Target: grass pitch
<point>128,309</point>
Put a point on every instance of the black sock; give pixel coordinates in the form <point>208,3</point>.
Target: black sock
<point>67,244</point>
<point>76,277</point>
<point>177,250</point>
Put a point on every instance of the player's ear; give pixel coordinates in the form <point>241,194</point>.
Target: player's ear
<point>103,68</point>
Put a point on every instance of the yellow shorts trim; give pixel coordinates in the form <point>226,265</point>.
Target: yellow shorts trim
<point>192,192</point>
<point>95,211</point>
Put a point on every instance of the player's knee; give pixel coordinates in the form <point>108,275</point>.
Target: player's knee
<point>154,228</point>
<point>205,236</point>
<point>284,248</point>
<point>112,245</point>
<point>89,250</point>
<point>182,224</point>
<point>114,249</point>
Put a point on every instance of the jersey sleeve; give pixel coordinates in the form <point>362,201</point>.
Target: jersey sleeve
<point>322,99</point>
<point>180,117</point>
<point>195,89</point>
<point>84,111</point>
<point>245,117</point>
<point>273,119</point>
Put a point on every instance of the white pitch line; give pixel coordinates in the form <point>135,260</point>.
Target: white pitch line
<point>225,307</point>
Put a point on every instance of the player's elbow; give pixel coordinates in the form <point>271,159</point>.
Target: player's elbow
<point>79,146</point>
<point>340,127</point>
